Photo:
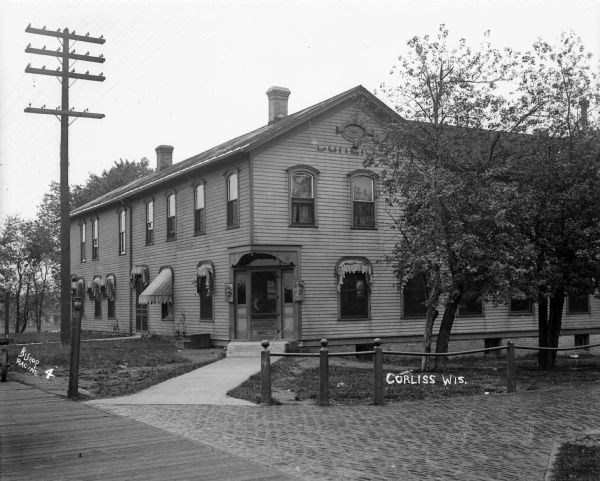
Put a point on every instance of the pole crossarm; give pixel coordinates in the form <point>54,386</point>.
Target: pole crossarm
<point>58,53</point>
<point>61,34</point>
<point>59,73</point>
<point>70,113</point>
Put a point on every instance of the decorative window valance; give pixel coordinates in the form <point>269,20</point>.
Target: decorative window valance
<point>90,290</point>
<point>205,270</point>
<point>160,289</point>
<point>97,288</point>
<point>142,272</point>
<point>352,265</point>
<point>111,287</point>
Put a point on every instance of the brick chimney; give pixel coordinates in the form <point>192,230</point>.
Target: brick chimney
<point>164,157</point>
<point>278,103</point>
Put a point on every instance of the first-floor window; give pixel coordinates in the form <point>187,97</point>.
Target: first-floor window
<point>414,297</point>
<point>470,305</point>
<point>166,311</point>
<point>206,300</point>
<point>354,296</point>
<point>578,304</point>
<point>111,309</point>
<point>521,306</point>
<point>98,308</point>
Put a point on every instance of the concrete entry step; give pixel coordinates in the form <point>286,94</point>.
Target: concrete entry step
<point>253,348</point>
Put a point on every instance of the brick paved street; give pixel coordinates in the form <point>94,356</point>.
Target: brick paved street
<point>500,437</point>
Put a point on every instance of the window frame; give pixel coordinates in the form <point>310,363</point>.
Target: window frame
<point>200,213</point>
<point>570,309</point>
<point>82,236</point>
<point>373,177</point>
<point>122,229</point>
<point>171,219</point>
<point>149,222</point>
<point>232,205</point>
<point>95,238</point>
<point>422,288</point>
<point>313,173</point>
<point>520,312</point>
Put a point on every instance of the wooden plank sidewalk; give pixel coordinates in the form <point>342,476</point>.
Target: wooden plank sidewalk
<point>47,437</point>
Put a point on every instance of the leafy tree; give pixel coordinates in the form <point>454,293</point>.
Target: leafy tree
<point>560,182</point>
<point>443,174</point>
<point>120,174</point>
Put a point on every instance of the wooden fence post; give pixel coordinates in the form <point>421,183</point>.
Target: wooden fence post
<point>378,373</point>
<point>265,373</point>
<point>323,374</point>
<point>510,367</point>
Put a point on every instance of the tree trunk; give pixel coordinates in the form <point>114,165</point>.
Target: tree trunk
<point>554,324</point>
<point>441,346</point>
<point>542,331</point>
<point>431,317</point>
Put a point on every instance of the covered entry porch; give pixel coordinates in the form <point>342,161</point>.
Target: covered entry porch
<point>267,293</point>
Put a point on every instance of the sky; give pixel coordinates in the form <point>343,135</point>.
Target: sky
<point>194,73</point>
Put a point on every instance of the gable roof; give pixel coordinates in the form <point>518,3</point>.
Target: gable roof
<point>242,144</point>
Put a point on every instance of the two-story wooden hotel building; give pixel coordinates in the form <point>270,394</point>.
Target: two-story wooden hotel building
<point>277,234</point>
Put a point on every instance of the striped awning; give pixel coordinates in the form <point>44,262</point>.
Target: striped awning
<point>205,270</point>
<point>354,265</point>
<point>111,287</point>
<point>160,289</point>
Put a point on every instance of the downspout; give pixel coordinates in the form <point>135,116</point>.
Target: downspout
<point>130,269</point>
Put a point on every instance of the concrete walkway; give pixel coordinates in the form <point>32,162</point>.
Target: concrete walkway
<point>206,385</point>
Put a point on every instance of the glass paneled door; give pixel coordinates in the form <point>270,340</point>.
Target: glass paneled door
<point>265,305</point>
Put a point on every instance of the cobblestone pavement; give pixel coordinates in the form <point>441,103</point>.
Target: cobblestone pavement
<point>499,437</point>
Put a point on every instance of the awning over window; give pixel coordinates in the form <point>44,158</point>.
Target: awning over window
<point>353,265</point>
<point>160,289</point>
<point>97,288</point>
<point>111,287</point>
<point>205,270</point>
<point>139,271</point>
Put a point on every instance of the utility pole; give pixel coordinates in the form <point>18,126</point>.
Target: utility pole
<point>63,113</point>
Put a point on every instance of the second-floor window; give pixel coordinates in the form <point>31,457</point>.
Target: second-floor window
<point>302,195</point>
<point>233,209</point>
<point>82,241</point>
<point>150,222</point>
<point>95,239</point>
<point>171,217</point>
<point>363,205</point>
<point>199,217</point>
<point>122,232</point>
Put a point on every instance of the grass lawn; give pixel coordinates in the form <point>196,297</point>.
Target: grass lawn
<point>351,381</point>
<point>108,368</point>
<point>578,460</point>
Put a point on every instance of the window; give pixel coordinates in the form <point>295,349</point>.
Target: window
<point>233,210</point>
<point>150,222</point>
<point>82,241</point>
<point>240,287</point>
<point>354,285</point>
<point>171,217</point>
<point>122,232</point>
<point>521,306</point>
<point>95,239</point>
<point>206,300</point>
<point>302,194</point>
<point>199,218</point>
<point>110,295</point>
<point>98,308</point>
<point>470,305</point>
<point>578,304</point>
<point>414,297</point>
<point>363,205</point>
<point>166,311</point>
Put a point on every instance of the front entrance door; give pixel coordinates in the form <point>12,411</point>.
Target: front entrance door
<point>141,310</point>
<point>265,305</point>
